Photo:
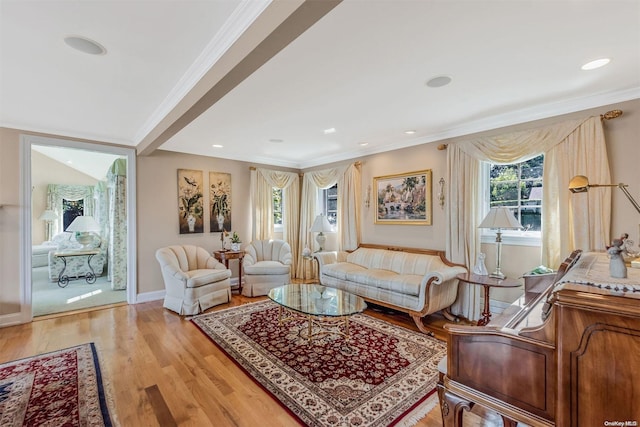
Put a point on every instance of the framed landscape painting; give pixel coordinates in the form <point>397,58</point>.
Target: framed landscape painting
<point>220,197</point>
<point>190,210</point>
<point>403,198</point>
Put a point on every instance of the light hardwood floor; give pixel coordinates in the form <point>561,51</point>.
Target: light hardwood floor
<point>164,372</point>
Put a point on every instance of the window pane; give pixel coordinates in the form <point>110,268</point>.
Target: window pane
<point>277,206</point>
<point>532,168</point>
<point>70,210</point>
<point>504,172</point>
<point>531,218</point>
<point>330,204</point>
<point>519,187</point>
<point>504,194</point>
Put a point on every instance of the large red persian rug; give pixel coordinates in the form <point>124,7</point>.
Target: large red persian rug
<point>382,375</point>
<point>61,388</point>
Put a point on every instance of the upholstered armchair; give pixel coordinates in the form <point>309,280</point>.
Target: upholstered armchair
<point>267,265</point>
<point>194,280</point>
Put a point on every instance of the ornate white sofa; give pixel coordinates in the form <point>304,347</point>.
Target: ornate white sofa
<point>415,281</point>
<point>77,266</point>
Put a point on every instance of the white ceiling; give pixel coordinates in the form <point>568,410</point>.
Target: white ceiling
<point>361,69</point>
<point>91,163</point>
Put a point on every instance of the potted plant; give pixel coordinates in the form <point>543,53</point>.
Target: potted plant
<point>235,242</point>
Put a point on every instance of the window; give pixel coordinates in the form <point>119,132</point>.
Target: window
<point>277,206</point>
<point>330,204</point>
<point>70,210</point>
<point>518,186</point>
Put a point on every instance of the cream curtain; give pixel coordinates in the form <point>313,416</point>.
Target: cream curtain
<point>349,183</point>
<point>262,183</point>
<point>571,147</point>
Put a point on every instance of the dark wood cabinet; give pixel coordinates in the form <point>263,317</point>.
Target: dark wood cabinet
<point>569,358</point>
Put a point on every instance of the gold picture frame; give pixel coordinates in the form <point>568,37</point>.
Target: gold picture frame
<point>220,200</point>
<point>190,209</point>
<point>403,199</point>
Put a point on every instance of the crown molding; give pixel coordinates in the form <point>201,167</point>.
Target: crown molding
<point>239,21</point>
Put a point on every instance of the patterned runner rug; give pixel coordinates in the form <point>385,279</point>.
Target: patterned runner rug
<point>61,388</point>
<point>383,375</point>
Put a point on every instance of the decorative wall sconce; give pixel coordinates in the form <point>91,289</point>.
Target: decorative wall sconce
<point>441,192</point>
<point>367,198</point>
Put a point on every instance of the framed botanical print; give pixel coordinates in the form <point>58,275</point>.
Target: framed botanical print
<point>190,210</point>
<point>220,197</point>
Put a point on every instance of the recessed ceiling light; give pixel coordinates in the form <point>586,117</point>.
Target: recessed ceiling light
<point>85,45</point>
<point>596,64</point>
<point>276,140</point>
<point>69,162</point>
<point>363,144</point>
<point>439,81</point>
<point>409,132</point>
<point>217,146</point>
<point>329,131</point>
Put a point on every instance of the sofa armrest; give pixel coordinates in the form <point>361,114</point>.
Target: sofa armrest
<point>325,258</point>
<point>175,273</point>
<point>443,276</point>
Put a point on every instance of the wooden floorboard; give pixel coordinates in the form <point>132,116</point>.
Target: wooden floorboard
<point>163,371</point>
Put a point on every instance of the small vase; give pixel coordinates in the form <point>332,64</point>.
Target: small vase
<point>235,247</point>
<point>191,222</point>
<point>220,219</point>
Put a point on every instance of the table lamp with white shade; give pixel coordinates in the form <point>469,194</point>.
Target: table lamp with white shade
<point>499,218</point>
<point>83,226</point>
<point>321,225</point>
<point>48,216</point>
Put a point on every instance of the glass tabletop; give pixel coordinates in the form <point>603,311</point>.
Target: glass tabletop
<point>317,300</point>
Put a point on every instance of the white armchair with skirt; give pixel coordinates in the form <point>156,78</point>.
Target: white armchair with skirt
<point>267,265</point>
<point>194,280</point>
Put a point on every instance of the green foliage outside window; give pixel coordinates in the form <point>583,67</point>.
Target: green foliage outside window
<point>277,206</point>
<point>519,187</point>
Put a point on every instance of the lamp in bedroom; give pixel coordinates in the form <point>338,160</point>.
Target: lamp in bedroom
<point>499,218</point>
<point>48,216</point>
<point>321,225</point>
<point>83,226</point>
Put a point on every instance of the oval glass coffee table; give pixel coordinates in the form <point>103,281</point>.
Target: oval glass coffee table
<point>327,310</point>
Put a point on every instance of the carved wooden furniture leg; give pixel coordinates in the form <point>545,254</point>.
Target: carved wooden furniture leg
<point>450,316</point>
<point>452,407</point>
<point>418,321</point>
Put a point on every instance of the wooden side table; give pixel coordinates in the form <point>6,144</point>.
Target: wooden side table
<point>487,282</point>
<point>311,261</point>
<point>225,256</point>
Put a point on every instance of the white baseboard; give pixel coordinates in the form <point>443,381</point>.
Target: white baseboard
<point>149,296</point>
<point>11,319</point>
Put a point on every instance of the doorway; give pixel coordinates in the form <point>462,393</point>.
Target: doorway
<point>52,166</point>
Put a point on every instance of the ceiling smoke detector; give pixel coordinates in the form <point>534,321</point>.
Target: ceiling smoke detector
<point>85,45</point>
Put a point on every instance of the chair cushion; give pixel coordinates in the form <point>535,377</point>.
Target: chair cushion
<point>266,267</point>
<point>198,278</point>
